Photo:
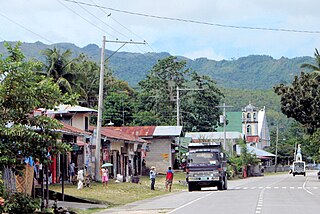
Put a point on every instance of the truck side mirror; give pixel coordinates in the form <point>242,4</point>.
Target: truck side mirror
<point>221,155</point>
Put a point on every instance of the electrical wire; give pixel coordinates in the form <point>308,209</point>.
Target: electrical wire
<point>102,21</point>
<point>198,22</point>
<point>108,15</point>
<point>85,18</point>
<point>44,38</point>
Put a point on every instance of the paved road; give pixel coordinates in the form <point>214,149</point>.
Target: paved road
<point>260,195</point>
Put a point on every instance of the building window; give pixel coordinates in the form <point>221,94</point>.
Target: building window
<point>249,129</point>
<point>248,116</point>
<point>86,123</point>
<point>254,116</point>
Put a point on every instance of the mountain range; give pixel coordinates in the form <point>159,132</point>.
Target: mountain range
<point>251,72</point>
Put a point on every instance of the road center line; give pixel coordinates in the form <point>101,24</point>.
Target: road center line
<point>191,202</point>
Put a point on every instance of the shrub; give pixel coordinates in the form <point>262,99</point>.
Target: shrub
<point>19,203</point>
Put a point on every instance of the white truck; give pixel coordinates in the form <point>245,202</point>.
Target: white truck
<point>299,168</point>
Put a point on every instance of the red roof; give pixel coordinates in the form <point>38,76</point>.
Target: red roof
<point>140,131</point>
<point>252,139</point>
<point>71,129</point>
<point>118,134</point>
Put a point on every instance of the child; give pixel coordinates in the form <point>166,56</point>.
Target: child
<point>105,177</point>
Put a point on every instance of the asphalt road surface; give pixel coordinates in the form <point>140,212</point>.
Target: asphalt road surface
<point>258,195</point>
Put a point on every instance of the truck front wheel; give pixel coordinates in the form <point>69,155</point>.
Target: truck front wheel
<point>191,187</point>
<point>225,186</point>
<point>220,185</point>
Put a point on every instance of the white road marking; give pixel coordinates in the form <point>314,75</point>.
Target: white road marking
<point>304,187</point>
<point>191,202</point>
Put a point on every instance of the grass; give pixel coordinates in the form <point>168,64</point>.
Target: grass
<point>122,193</point>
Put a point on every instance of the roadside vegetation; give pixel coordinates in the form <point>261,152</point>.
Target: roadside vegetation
<point>117,194</point>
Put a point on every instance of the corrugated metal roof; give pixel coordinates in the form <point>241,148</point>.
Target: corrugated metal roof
<point>70,129</point>
<point>213,135</point>
<point>141,131</point>
<point>68,108</point>
<point>167,131</point>
<point>111,132</point>
<point>258,152</point>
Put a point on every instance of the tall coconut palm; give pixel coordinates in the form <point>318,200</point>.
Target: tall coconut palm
<point>314,68</point>
<point>59,67</point>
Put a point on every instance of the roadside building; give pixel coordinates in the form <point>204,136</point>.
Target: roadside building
<point>164,141</point>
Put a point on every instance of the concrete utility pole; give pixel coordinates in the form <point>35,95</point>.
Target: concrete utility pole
<point>276,158</point>
<point>100,102</point>
<point>100,106</point>
<point>224,123</point>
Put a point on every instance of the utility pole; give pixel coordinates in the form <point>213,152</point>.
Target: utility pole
<point>276,158</point>
<point>224,124</point>
<point>100,102</point>
<point>100,106</point>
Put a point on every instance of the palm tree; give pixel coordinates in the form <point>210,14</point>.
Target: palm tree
<point>314,68</point>
<point>59,67</point>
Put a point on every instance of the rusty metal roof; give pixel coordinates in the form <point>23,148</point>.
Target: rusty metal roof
<point>73,130</point>
<point>140,131</point>
<point>110,132</point>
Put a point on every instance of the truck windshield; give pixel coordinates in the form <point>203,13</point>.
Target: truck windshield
<point>298,166</point>
<point>204,157</point>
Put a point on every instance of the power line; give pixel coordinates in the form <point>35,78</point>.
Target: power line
<point>84,18</point>
<point>25,28</point>
<point>109,15</point>
<point>101,20</point>
<point>199,22</point>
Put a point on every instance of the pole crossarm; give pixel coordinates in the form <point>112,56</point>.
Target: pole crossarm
<point>100,101</point>
<point>126,42</point>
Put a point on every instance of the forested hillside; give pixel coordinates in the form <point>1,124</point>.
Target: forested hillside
<point>251,72</point>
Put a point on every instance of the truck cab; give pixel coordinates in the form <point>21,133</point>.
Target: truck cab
<point>206,166</point>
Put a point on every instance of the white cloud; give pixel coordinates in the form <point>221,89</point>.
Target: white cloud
<point>206,52</point>
<point>57,23</point>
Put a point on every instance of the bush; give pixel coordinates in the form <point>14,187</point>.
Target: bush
<point>19,203</point>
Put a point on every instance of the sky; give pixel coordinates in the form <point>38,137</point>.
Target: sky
<point>56,21</point>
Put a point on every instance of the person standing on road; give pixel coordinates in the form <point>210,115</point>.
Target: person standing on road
<point>169,179</point>
<point>153,177</point>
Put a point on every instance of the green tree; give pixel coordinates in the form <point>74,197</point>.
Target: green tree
<point>158,89</point>
<point>87,74</point>
<point>21,92</point>
<point>314,68</point>
<point>158,96</point>
<point>199,111</point>
<point>301,101</point>
<point>59,66</point>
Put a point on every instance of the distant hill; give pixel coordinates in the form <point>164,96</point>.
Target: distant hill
<point>251,72</point>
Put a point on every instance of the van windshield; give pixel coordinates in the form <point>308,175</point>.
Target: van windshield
<point>203,157</point>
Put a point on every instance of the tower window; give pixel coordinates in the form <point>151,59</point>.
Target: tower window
<point>249,129</point>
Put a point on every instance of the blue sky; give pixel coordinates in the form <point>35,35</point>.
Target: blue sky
<point>54,21</point>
